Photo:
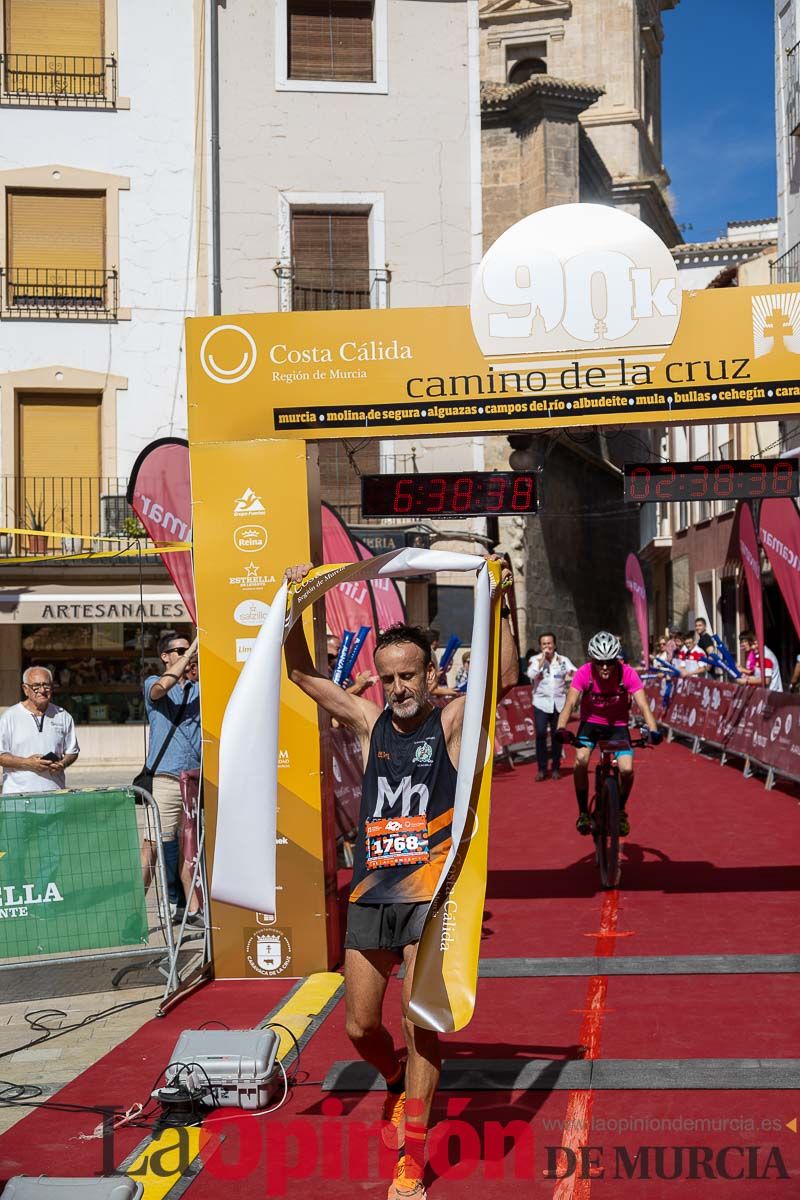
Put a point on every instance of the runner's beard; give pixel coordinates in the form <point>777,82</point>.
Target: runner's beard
<point>410,708</point>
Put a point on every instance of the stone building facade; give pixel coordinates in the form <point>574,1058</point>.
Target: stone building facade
<point>571,111</point>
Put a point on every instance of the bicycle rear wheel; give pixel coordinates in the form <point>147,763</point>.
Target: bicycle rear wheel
<point>607,833</point>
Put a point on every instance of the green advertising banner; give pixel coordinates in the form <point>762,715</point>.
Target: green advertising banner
<point>70,873</point>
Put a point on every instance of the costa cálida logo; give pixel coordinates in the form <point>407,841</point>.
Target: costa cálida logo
<point>228,354</point>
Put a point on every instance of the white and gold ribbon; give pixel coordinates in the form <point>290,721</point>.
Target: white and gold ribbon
<point>244,873</point>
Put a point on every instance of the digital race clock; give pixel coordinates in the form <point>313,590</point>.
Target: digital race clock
<point>674,482</point>
<point>455,494</point>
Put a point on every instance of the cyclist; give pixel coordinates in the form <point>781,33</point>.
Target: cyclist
<point>607,686</point>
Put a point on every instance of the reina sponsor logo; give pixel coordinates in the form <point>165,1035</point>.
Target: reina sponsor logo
<point>251,612</point>
<point>248,504</point>
<point>250,538</point>
<point>251,580</point>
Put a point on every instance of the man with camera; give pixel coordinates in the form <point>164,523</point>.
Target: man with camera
<point>172,704</point>
<point>37,739</point>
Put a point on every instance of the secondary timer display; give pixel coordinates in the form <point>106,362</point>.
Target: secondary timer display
<point>454,494</point>
<point>743,479</point>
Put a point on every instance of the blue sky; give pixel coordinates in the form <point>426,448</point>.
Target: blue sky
<point>718,122</point>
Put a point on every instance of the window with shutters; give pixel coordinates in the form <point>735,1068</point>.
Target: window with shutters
<point>330,260</point>
<point>330,39</point>
<point>331,45</point>
<point>55,53</point>
<point>48,425</point>
<point>56,255</point>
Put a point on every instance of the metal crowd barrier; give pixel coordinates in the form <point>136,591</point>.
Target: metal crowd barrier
<point>72,889</point>
<point>754,724</point>
<point>515,732</point>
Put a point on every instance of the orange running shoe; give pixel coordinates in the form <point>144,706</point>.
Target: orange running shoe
<point>393,1116</point>
<point>406,1187</point>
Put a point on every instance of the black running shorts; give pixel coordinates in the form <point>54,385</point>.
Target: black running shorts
<point>590,733</point>
<point>384,926</point>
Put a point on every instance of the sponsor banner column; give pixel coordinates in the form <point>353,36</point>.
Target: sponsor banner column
<point>250,531</point>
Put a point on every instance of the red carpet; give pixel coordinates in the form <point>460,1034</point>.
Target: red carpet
<point>710,868</point>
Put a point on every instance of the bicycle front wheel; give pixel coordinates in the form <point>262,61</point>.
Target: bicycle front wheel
<point>607,834</point>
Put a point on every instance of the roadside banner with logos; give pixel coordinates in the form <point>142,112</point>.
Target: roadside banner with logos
<point>70,873</point>
<point>244,871</point>
<point>348,772</point>
<point>779,531</point>
<point>749,722</point>
<point>751,561</point>
<point>160,493</point>
<point>634,582</point>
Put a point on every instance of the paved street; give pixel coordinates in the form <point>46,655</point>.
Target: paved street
<point>102,776</point>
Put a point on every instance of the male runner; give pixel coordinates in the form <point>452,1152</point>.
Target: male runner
<point>608,686</point>
<point>410,752</point>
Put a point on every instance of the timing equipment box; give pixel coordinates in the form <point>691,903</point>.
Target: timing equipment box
<point>237,1066</point>
<point>40,1187</point>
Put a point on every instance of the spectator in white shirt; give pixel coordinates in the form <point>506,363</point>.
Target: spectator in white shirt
<point>550,674</point>
<point>691,658</point>
<point>37,739</point>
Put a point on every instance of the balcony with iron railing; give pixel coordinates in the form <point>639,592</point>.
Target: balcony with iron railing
<point>51,293</point>
<point>317,289</point>
<point>58,81</point>
<point>84,511</point>
<point>786,269</point>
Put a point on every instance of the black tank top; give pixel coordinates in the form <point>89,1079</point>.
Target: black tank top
<point>407,775</point>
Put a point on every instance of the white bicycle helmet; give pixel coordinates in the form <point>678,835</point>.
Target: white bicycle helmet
<point>604,647</point>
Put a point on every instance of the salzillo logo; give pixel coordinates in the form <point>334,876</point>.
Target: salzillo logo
<point>530,298</point>
<point>251,612</point>
<point>231,344</point>
<point>248,503</point>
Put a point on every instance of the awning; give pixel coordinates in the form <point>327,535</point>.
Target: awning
<point>65,605</point>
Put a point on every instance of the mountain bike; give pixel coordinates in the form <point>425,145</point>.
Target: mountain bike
<point>604,807</point>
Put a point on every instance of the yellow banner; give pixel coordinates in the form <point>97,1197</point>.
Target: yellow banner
<point>240,557</point>
<point>402,372</point>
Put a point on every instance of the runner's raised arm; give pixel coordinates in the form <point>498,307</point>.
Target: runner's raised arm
<point>346,707</point>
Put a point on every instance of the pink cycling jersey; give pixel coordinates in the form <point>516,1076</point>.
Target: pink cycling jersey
<point>606,701</point>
